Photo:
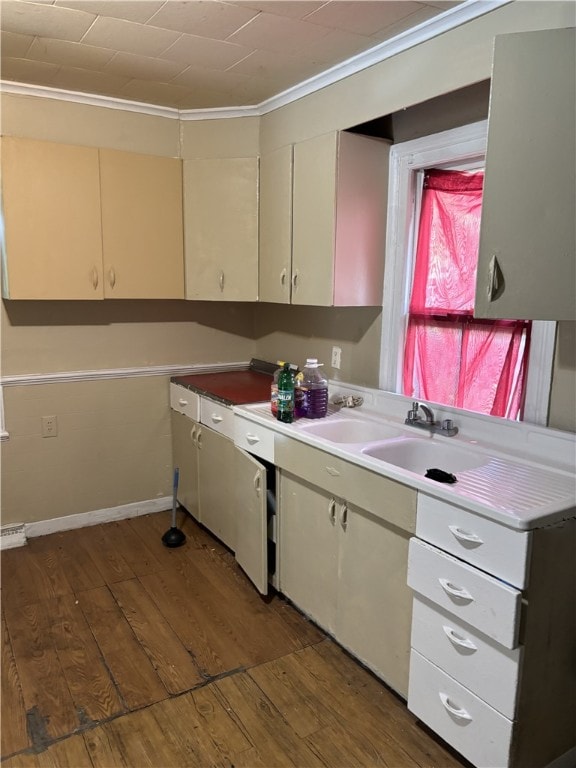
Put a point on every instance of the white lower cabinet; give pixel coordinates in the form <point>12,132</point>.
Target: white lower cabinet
<point>185,457</point>
<point>491,663</point>
<point>344,565</point>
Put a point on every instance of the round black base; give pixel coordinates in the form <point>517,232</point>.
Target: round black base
<point>173,538</point>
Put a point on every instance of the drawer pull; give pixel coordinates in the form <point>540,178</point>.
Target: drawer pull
<point>257,483</point>
<point>458,712</point>
<point>252,438</point>
<point>344,516</point>
<point>465,536</point>
<point>462,642</point>
<point>216,419</point>
<point>455,591</point>
<point>332,511</point>
<point>193,434</point>
<point>182,401</point>
<point>333,471</point>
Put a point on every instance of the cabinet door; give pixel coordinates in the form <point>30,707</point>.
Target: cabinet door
<point>374,602</point>
<point>314,208</point>
<point>221,229</point>
<point>216,485</point>
<point>529,191</point>
<point>251,519</point>
<point>276,226</point>
<point>308,558</point>
<point>51,201</point>
<point>142,226</point>
<point>185,457</point>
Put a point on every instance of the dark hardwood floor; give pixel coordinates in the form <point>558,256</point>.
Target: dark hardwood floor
<point>117,651</point>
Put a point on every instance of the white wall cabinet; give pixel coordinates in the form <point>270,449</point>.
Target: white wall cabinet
<point>323,221</point>
<point>527,262</point>
<point>221,229</point>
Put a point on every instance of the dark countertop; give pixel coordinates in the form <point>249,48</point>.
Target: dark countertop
<point>229,387</point>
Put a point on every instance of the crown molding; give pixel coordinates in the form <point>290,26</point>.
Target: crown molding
<point>438,25</point>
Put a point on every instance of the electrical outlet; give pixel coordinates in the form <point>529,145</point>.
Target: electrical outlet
<point>336,357</point>
<point>49,426</point>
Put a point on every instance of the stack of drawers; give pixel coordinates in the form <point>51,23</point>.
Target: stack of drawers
<point>467,574</point>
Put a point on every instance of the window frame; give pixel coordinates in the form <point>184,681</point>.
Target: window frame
<point>466,147</point>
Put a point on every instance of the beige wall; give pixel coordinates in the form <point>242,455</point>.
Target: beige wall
<point>113,443</point>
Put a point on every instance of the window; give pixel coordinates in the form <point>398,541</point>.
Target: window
<point>464,149</point>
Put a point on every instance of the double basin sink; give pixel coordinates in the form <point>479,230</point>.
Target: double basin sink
<point>409,448</point>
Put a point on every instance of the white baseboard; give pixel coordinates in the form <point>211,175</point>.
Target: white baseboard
<point>12,536</point>
<point>16,535</point>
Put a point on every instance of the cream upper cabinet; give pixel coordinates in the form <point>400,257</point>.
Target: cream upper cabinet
<point>276,226</point>
<point>221,229</point>
<point>527,263</point>
<point>142,228</point>
<point>84,223</point>
<point>53,236</point>
<point>339,220</point>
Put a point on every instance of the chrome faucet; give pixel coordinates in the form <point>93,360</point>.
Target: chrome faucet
<point>413,419</point>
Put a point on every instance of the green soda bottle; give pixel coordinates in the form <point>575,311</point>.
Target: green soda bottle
<point>286,395</point>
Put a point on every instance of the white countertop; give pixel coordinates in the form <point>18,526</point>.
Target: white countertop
<point>516,486</point>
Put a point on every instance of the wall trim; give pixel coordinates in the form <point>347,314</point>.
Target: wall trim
<point>85,519</point>
<point>450,19</point>
<point>59,377</point>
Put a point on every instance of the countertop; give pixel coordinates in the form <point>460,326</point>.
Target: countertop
<point>229,387</point>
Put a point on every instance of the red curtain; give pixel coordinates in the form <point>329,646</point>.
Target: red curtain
<point>451,357</point>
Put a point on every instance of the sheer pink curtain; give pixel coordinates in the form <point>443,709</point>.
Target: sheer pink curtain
<point>450,357</point>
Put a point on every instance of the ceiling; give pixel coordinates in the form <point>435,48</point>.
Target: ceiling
<point>193,54</point>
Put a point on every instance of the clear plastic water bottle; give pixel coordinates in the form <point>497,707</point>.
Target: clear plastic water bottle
<point>316,388</point>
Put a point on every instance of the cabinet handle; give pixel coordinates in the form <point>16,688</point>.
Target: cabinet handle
<point>458,712</point>
<point>283,275</point>
<point>467,536</point>
<point>495,279</point>
<point>94,278</point>
<point>455,591</point>
<point>454,637</point>
<point>221,280</point>
<point>251,438</point>
<point>112,277</point>
<point>199,438</point>
<point>181,401</point>
<point>295,280</point>
<point>344,516</point>
<point>333,471</point>
<point>193,434</point>
<point>332,511</point>
<point>216,419</point>
<point>257,486</point>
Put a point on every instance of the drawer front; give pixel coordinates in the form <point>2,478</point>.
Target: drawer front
<point>469,594</point>
<point>254,438</point>
<point>466,722</point>
<point>486,668</point>
<point>218,417</point>
<point>494,548</point>
<point>185,401</point>
<point>384,498</point>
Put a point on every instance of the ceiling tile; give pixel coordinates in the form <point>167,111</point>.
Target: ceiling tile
<point>143,67</point>
<point>361,16</point>
<point>295,9</point>
<point>159,93</point>
<point>26,71</point>
<point>273,33</point>
<point>45,20</point>
<point>129,37</point>
<point>202,52</point>
<point>69,54</point>
<point>73,79</point>
<point>14,45</point>
<point>280,66</point>
<point>337,46</point>
<point>206,18</point>
<point>131,10</point>
<point>402,25</point>
<point>205,79</point>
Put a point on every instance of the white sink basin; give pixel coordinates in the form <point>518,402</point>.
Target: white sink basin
<point>420,454</point>
<point>349,430</point>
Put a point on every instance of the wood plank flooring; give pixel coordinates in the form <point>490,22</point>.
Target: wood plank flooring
<point>117,651</point>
